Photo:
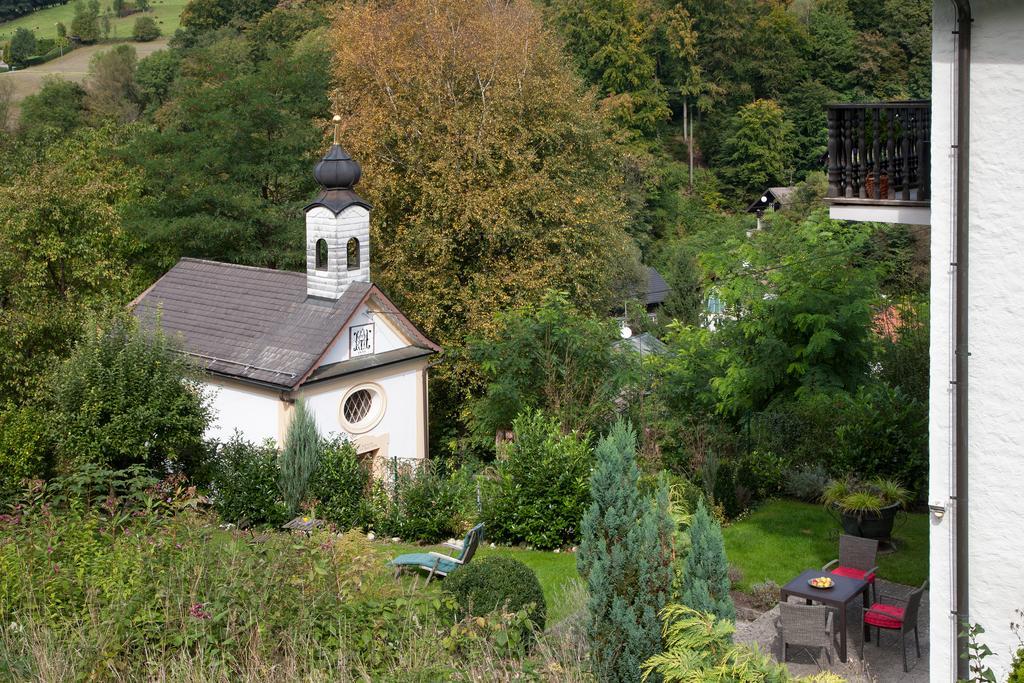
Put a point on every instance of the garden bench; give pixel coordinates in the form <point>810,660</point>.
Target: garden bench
<point>436,563</point>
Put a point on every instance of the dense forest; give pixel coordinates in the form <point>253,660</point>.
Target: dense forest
<point>507,151</point>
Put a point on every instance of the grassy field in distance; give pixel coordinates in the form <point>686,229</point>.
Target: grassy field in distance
<point>44,22</point>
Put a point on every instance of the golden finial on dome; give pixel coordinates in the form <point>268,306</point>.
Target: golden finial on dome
<point>337,121</point>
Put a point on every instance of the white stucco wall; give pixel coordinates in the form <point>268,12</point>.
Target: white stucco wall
<point>996,328</point>
<point>386,338</point>
<point>255,412</point>
<point>321,223</point>
<point>260,414</point>
<point>401,431</point>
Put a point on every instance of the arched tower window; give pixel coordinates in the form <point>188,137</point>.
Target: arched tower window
<point>321,254</point>
<point>353,254</point>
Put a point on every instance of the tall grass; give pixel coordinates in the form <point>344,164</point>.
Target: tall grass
<point>103,595</point>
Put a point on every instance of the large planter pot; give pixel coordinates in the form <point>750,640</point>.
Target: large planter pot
<point>876,525</point>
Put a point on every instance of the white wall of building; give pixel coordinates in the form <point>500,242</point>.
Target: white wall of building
<point>255,412</point>
<point>260,414</point>
<point>401,430</point>
<point>996,328</point>
<point>386,338</point>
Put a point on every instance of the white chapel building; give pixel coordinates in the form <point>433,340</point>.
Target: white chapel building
<point>328,336</point>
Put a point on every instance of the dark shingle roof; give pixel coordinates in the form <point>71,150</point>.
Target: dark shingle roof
<point>657,288</point>
<point>773,195</point>
<point>254,324</point>
<point>378,360</point>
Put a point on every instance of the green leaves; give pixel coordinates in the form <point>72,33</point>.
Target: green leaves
<point>128,396</point>
<point>551,357</point>
<point>541,489</point>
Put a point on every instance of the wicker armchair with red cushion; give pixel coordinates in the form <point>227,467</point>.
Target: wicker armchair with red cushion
<point>896,614</point>
<point>857,558</point>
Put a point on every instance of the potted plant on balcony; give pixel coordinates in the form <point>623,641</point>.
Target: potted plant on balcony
<point>883,182</point>
<point>866,507</point>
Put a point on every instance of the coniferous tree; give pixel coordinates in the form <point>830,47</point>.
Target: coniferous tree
<point>299,458</point>
<point>706,570</point>
<point>626,559</point>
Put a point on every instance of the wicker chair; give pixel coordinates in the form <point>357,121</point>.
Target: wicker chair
<point>896,614</point>
<point>857,560</point>
<point>808,626</point>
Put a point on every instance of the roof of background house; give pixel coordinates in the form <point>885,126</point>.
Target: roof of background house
<point>657,288</point>
<point>644,343</point>
<point>257,324</point>
<point>774,194</point>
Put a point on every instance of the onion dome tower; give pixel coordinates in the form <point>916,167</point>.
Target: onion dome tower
<point>337,226</point>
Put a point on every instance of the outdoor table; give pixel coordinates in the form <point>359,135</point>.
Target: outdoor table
<point>838,596</point>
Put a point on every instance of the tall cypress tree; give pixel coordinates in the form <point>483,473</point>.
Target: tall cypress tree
<point>299,457</point>
<point>706,570</point>
<point>626,559</point>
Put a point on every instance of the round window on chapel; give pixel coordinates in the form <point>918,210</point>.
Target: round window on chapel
<point>357,406</point>
<point>362,408</point>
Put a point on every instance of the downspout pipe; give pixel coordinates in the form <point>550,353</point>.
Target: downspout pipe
<point>960,449</point>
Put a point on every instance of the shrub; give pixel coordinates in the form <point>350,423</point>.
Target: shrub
<point>497,583</point>
<point>245,482</point>
<point>735,575</point>
<point>126,396</point>
<point>1017,668</point>
<point>541,489</point>
<point>726,492</point>
<point>341,485</point>
<point>26,448</point>
<point>625,557</point>
<point>884,432</point>
<point>699,647</point>
<point>765,595</point>
<point>299,457</point>
<point>425,505</point>
<point>807,482</point>
<point>762,473</point>
<point>706,570</point>
<point>145,29</point>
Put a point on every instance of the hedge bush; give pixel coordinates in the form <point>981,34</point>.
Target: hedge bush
<point>493,583</point>
<point>883,433</point>
<point>542,485</point>
<point>341,486</point>
<point>244,482</point>
<point>26,446</point>
<point>424,504</point>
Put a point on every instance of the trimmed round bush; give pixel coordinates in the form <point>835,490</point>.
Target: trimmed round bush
<point>491,583</point>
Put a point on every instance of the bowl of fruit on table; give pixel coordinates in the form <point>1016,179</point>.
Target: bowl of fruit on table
<point>821,582</point>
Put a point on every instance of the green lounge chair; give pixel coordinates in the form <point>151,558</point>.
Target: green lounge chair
<point>436,563</point>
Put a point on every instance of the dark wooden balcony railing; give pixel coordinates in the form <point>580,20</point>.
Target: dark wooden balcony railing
<point>879,152</point>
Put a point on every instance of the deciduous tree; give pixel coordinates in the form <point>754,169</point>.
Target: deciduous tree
<point>63,252</point>
<point>110,89</point>
<point>23,45</point>
<point>485,162</point>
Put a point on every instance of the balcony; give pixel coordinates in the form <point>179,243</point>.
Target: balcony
<point>879,165</point>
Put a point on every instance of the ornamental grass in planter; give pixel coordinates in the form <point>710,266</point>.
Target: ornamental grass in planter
<point>866,507</point>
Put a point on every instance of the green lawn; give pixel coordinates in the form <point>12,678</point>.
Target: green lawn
<point>776,541</point>
<point>44,22</point>
<point>782,538</point>
<point>555,571</point>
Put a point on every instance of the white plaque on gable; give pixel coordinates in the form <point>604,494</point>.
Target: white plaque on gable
<point>360,340</point>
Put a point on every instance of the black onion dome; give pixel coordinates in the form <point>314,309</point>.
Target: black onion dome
<point>337,173</point>
<point>337,170</point>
